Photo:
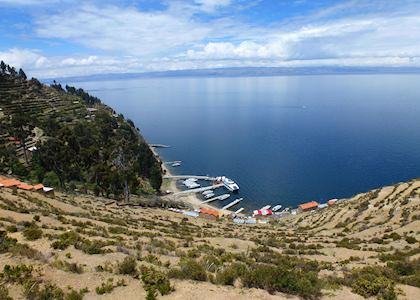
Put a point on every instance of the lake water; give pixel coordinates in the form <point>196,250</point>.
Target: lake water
<point>285,140</point>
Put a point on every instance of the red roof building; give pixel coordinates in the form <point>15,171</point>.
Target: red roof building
<point>25,187</point>
<point>10,182</point>
<point>308,206</point>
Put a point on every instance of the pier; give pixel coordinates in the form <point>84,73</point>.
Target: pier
<point>172,162</point>
<point>239,210</point>
<point>216,198</point>
<point>159,146</point>
<point>199,190</point>
<point>234,202</point>
<point>189,176</point>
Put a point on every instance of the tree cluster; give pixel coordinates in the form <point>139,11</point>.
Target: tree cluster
<point>105,153</point>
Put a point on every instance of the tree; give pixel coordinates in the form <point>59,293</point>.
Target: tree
<point>3,67</point>
<point>22,74</point>
<point>21,128</point>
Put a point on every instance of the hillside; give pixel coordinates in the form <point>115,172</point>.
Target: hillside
<point>86,247</point>
<point>66,138</point>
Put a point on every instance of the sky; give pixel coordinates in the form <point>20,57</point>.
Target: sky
<point>59,38</point>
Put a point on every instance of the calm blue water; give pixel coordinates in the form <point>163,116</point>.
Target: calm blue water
<point>285,140</point>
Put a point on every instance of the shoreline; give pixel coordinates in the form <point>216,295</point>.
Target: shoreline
<point>192,198</point>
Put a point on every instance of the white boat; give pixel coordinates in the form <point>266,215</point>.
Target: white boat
<point>276,208</point>
<point>208,196</point>
<point>230,184</point>
<point>207,192</point>
<point>265,207</point>
<point>177,164</point>
<point>224,197</point>
<point>193,185</point>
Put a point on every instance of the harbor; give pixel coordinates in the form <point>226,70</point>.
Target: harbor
<point>207,195</point>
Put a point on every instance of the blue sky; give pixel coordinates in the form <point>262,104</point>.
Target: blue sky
<point>56,38</point>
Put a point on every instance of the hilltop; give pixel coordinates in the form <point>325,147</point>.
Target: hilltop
<point>66,138</point>
<point>81,246</point>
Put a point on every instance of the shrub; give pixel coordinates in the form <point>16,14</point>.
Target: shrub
<point>4,293</point>
<point>65,240</point>
<point>154,280</point>
<point>229,274</point>
<point>128,266</point>
<point>32,233</point>
<point>11,228</point>
<point>188,269</point>
<point>280,279</point>
<point>17,274</point>
<point>68,267</point>
<point>372,281</point>
<point>410,240</point>
<point>90,247</point>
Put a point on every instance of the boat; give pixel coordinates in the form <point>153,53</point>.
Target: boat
<point>207,196</point>
<point>176,164</point>
<point>193,185</point>
<point>230,184</point>
<point>224,197</point>
<point>276,208</point>
<point>265,207</point>
<point>207,192</point>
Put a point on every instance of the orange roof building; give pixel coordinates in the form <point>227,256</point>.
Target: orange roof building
<point>10,182</point>
<point>38,187</point>
<point>309,206</point>
<point>25,187</point>
<point>209,212</point>
<point>331,202</point>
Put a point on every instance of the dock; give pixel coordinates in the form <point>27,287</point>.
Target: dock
<point>159,146</point>
<point>199,190</point>
<point>215,198</point>
<point>239,210</point>
<point>234,202</point>
<point>199,177</point>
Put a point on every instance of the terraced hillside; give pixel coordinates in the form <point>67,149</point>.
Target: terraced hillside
<point>85,247</point>
<point>66,138</point>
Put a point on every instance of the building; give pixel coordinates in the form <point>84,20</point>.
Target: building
<point>10,183</point>
<point>308,206</point>
<point>25,187</point>
<point>209,214</point>
<point>331,202</point>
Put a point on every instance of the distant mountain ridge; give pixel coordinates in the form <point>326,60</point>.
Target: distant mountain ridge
<point>243,72</point>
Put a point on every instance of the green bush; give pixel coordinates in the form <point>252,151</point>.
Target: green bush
<point>188,269</point>
<point>280,279</point>
<point>65,240</point>
<point>90,247</point>
<point>128,266</point>
<point>154,280</point>
<point>4,293</point>
<point>372,281</point>
<point>11,228</point>
<point>229,274</point>
<point>32,233</point>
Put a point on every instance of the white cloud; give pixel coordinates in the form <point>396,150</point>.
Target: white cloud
<point>211,6</point>
<point>23,58</point>
<point>126,39</point>
<point>126,30</point>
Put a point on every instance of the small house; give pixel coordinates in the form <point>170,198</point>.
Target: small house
<point>25,187</point>
<point>323,205</point>
<point>209,214</point>
<point>331,202</point>
<point>308,206</point>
